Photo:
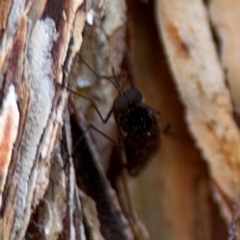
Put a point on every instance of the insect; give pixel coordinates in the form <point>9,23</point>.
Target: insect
<point>137,125</point>
<point>138,129</point>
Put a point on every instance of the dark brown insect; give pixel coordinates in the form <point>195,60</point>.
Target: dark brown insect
<point>138,129</point>
<point>139,136</point>
<point>137,125</point>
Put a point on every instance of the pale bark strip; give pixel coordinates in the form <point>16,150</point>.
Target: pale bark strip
<point>9,121</point>
<point>34,56</point>
<point>194,62</point>
<point>225,16</point>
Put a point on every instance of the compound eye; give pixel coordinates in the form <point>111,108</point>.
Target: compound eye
<point>133,96</point>
<point>120,104</point>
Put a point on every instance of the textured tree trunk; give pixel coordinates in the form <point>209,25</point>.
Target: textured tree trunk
<point>39,40</point>
<point>58,179</point>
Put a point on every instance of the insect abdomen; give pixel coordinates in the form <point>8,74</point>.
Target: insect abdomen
<point>140,135</point>
<point>139,149</point>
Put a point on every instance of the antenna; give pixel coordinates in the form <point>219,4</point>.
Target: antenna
<point>109,78</point>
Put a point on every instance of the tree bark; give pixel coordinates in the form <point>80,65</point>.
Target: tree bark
<point>38,43</point>
<point>57,178</point>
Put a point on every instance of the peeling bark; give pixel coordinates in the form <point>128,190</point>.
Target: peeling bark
<point>36,54</point>
<point>60,180</point>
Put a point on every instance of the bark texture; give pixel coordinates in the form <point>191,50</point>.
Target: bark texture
<point>62,173</point>
<point>38,42</point>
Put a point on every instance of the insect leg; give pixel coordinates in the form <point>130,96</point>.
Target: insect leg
<point>166,125</point>
<point>95,129</point>
<point>104,120</point>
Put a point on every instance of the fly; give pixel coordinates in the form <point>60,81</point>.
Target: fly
<point>136,123</point>
<point>138,129</point>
